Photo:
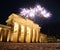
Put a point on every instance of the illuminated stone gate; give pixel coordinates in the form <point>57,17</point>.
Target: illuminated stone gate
<point>19,29</point>
<point>23,29</point>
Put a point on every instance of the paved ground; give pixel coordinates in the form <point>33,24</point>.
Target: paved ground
<point>29,46</point>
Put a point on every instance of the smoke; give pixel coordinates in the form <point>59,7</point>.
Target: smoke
<point>36,11</point>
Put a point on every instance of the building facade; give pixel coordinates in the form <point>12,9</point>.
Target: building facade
<point>5,32</point>
<point>21,30</point>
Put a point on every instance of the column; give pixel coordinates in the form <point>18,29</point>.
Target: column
<point>14,37</point>
<point>33,35</point>
<point>37,35</point>
<point>28,35</point>
<point>21,37</point>
<point>0,34</point>
<point>9,36</point>
<point>25,34</point>
<point>4,34</point>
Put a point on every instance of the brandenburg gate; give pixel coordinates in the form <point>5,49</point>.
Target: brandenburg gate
<point>23,29</point>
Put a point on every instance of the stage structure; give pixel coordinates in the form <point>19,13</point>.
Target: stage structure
<point>19,29</point>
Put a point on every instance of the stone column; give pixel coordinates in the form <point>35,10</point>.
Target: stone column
<point>28,35</point>
<point>9,36</point>
<point>4,34</point>
<point>19,32</point>
<point>21,36</point>
<point>37,35</point>
<point>14,37</point>
<point>0,34</point>
<point>25,34</point>
<point>33,35</point>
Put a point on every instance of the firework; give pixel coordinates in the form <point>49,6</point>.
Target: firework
<point>36,11</point>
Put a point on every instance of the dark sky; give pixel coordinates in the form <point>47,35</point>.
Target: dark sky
<point>50,26</point>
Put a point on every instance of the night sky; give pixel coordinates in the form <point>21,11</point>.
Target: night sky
<point>50,26</point>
